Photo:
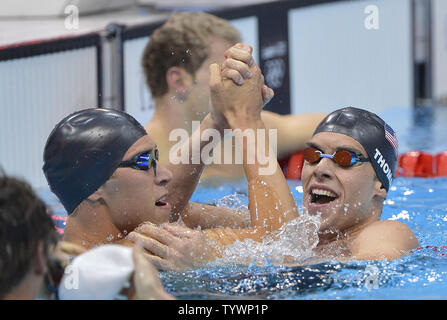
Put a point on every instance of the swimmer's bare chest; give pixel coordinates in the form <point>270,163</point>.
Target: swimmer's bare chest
<point>336,251</point>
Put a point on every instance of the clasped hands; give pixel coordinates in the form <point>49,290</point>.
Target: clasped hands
<point>238,94</point>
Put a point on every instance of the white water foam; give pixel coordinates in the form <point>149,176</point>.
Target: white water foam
<point>294,241</point>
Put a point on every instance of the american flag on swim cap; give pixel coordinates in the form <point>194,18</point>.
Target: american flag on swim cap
<point>390,135</point>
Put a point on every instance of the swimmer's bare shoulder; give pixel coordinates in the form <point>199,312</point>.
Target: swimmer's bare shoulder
<point>383,240</point>
<point>71,248</point>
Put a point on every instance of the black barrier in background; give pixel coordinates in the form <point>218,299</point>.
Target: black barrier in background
<point>140,31</point>
<point>115,32</point>
<point>129,33</point>
<point>273,42</point>
<point>99,72</point>
<point>30,49</point>
<point>274,57</point>
<point>423,73</point>
<point>273,46</point>
<point>273,35</point>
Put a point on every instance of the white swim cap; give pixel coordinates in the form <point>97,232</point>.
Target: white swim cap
<point>98,274</point>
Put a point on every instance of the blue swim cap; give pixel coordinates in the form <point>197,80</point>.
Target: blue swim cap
<point>378,138</point>
<point>85,149</point>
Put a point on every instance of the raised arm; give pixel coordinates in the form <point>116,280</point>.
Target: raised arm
<point>186,174</point>
<point>270,201</point>
<point>208,216</point>
<point>196,151</point>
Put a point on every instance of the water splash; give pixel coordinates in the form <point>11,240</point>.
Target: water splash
<point>293,242</point>
<point>232,201</point>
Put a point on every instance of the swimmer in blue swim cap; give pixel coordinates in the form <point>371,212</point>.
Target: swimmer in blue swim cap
<point>348,169</point>
<point>341,180</point>
<point>104,168</point>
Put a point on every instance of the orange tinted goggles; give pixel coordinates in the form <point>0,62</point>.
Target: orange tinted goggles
<point>344,158</point>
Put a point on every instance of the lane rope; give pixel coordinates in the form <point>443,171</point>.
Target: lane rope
<point>410,164</point>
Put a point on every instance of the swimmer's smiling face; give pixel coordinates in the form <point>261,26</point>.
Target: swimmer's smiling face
<point>135,196</point>
<point>345,197</point>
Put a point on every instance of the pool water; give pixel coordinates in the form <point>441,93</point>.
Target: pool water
<point>421,203</point>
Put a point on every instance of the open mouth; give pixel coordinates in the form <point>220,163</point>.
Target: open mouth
<point>322,196</point>
<point>161,202</point>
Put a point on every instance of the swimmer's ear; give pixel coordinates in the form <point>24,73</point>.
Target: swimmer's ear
<point>380,191</point>
<point>95,196</point>
<point>40,261</point>
<point>95,199</point>
<point>179,82</point>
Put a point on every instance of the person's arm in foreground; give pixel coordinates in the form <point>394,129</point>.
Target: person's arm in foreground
<point>186,174</point>
<point>146,282</point>
<point>240,107</point>
<point>205,216</point>
<point>270,201</point>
